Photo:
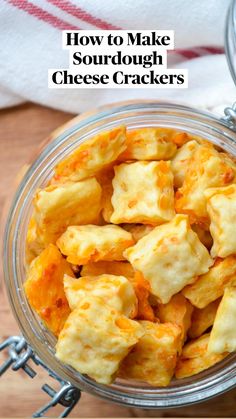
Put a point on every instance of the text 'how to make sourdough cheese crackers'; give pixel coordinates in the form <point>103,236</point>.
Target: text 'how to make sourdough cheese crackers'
<point>113,59</point>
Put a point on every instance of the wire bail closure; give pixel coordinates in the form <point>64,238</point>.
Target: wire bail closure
<point>19,353</point>
<point>230,116</point>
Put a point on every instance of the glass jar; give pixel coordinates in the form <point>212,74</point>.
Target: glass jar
<point>221,132</point>
<point>209,383</point>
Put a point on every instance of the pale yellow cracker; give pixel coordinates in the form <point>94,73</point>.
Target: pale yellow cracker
<point>91,243</point>
<point>221,207</point>
<point>96,338</point>
<point>223,335</point>
<point>181,161</point>
<point>207,169</point>
<point>170,257</point>
<point>58,206</point>
<point>92,155</point>
<point>195,358</point>
<point>44,288</point>
<point>149,144</point>
<point>143,193</point>
<point>116,291</point>
<point>203,318</point>
<point>154,357</point>
<point>210,286</point>
<point>178,311</point>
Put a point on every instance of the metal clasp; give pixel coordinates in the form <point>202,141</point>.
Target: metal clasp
<point>230,116</point>
<point>19,353</point>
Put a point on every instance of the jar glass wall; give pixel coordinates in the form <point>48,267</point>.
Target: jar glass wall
<point>134,115</point>
<point>230,39</point>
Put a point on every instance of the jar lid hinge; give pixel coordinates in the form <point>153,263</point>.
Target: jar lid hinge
<point>230,116</point>
<point>19,353</point>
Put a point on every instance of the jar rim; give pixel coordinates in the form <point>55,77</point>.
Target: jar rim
<point>38,336</point>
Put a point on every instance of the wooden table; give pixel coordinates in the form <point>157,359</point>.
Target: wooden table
<point>21,130</point>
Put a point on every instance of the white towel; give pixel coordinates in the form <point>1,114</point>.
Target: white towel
<point>30,44</point>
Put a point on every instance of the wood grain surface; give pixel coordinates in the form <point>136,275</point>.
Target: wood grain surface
<point>21,131</point>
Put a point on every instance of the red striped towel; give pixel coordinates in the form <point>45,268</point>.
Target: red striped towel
<point>31,43</point>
